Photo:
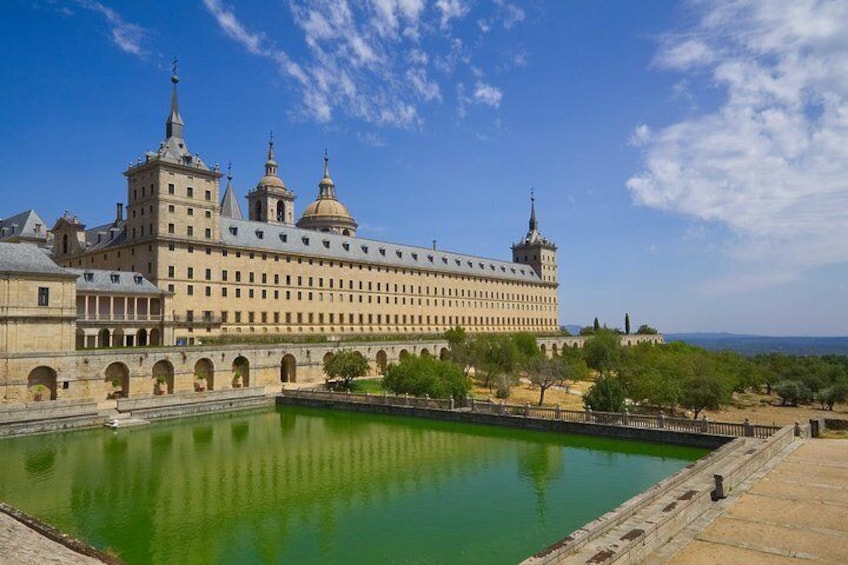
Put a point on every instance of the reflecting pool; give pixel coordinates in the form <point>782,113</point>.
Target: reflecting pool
<point>292,485</point>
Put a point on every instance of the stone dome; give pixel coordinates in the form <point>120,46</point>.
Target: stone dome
<point>326,208</point>
<point>326,213</point>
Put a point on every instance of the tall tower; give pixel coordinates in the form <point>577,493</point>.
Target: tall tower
<point>327,213</point>
<point>535,250</point>
<point>172,196</point>
<point>271,201</point>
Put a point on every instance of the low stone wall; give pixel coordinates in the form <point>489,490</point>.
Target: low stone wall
<point>192,404</point>
<point>602,430</point>
<point>45,417</point>
<point>733,463</point>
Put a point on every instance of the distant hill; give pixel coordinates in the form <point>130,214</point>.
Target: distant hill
<point>754,344</point>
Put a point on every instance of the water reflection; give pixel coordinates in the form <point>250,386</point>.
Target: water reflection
<point>301,486</point>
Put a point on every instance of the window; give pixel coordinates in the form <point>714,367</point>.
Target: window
<point>170,189</point>
<point>171,271</point>
<point>190,272</point>
<point>208,233</point>
<point>190,231</point>
<point>208,195</point>
<point>190,211</point>
<point>189,192</point>
<point>43,296</point>
<point>190,290</point>
<point>170,228</point>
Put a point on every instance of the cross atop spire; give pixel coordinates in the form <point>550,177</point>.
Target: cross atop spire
<point>271,163</point>
<point>174,124</point>
<point>534,226</point>
<point>230,171</point>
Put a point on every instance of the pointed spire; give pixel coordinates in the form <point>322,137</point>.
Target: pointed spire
<point>174,124</point>
<point>533,224</point>
<point>271,163</point>
<point>229,203</point>
<point>326,188</point>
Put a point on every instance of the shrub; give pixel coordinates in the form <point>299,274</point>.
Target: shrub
<point>425,375</point>
<point>792,392</point>
<point>606,395</point>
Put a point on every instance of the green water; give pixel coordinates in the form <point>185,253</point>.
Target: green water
<point>289,485</point>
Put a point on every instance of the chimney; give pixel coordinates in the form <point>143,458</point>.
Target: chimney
<point>434,245</point>
<point>119,212</point>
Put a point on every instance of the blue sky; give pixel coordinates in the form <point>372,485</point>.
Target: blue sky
<point>690,159</point>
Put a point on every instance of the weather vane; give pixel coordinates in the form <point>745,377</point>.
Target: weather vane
<point>175,64</point>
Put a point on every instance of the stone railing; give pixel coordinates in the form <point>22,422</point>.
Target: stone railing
<point>184,398</point>
<point>624,419</point>
<point>47,409</point>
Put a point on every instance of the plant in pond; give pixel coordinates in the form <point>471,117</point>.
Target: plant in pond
<point>161,383</point>
<point>117,388</point>
<point>199,381</point>
<point>39,392</point>
<point>237,377</point>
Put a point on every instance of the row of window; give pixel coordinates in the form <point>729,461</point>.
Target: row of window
<point>370,319</point>
<point>207,195</point>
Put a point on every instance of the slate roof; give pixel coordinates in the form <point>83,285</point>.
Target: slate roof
<point>288,239</point>
<point>28,259</point>
<point>106,235</point>
<point>22,225</point>
<point>120,282</point>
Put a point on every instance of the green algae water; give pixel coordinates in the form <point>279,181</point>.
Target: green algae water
<point>296,485</point>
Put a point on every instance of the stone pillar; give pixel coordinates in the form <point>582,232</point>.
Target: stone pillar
<point>526,409</point>
<point>748,428</point>
<point>705,425</point>
<point>662,420</point>
<point>558,412</point>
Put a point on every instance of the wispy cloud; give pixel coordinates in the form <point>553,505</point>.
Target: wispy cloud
<point>771,162</point>
<point>127,36</point>
<point>381,62</point>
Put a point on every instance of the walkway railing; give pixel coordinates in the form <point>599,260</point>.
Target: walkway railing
<point>625,419</point>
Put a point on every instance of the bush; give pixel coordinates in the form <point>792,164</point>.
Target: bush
<point>425,375</point>
<point>832,395</point>
<point>793,392</point>
<point>606,395</point>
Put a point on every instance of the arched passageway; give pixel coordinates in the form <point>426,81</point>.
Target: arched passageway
<point>554,350</point>
<point>403,354</point>
<point>103,338</point>
<point>141,337</point>
<point>117,380</point>
<point>424,352</point>
<point>444,354</point>
<point>163,377</point>
<point>155,337</point>
<point>205,369</point>
<point>382,362</point>
<point>241,372</point>
<point>41,384</point>
<point>288,369</point>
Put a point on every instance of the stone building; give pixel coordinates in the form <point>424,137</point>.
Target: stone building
<point>270,274</point>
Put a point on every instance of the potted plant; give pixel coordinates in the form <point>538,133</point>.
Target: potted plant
<point>39,392</point>
<point>237,382</point>
<point>161,384</point>
<point>199,382</point>
<point>117,388</point>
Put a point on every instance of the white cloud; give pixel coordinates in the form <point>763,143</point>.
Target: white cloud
<point>378,61</point>
<point>487,94</point>
<point>640,136</point>
<point>771,162</point>
<point>127,36</point>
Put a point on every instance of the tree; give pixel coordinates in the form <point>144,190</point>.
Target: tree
<point>627,323</point>
<point>545,373</point>
<point>645,329</point>
<point>832,395</point>
<point>704,391</point>
<point>455,336</point>
<point>346,365</point>
<point>425,375</point>
<point>606,395</point>
<point>496,358</point>
<point>603,351</point>
<point>596,325</point>
<point>526,346</point>
<point>792,392</point>
<point>574,365</point>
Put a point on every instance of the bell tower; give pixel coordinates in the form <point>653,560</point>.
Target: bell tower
<point>535,250</point>
<point>271,201</point>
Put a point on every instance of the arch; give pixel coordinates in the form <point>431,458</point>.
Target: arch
<point>543,349</point>
<point>103,338</point>
<point>281,211</point>
<point>155,337</point>
<point>141,337</point>
<point>206,368</point>
<point>241,372</point>
<point>382,362</point>
<point>117,380</point>
<point>65,244</point>
<point>424,352</point>
<point>41,383</point>
<point>118,338</point>
<point>80,338</point>
<point>345,232</point>
<point>444,354</point>
<point>288,369</point>
<point>554,350</point>
<point>403,354</point>
<point>327,357</point>
<point>258,208</point>
<point>163,377</point>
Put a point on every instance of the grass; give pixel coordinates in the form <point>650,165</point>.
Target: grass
<point>372,386</point>
<point>834,434</point>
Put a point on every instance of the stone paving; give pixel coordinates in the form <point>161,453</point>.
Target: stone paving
<point>20,545</point>
<point>794,512</point>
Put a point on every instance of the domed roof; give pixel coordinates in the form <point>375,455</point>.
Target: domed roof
<point>326,208</point>
<point>272,181</point>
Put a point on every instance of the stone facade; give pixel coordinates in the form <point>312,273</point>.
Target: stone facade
<point>266,276</point>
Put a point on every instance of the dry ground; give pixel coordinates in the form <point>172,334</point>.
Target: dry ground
<point>758,408</point>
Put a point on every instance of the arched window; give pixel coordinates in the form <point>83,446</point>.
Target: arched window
<point>258,211</point>
<point>65,244</point>
<point>281,211</point>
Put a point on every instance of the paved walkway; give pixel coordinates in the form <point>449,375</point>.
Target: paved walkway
<point>795,512</point>
<point>21,545</point>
